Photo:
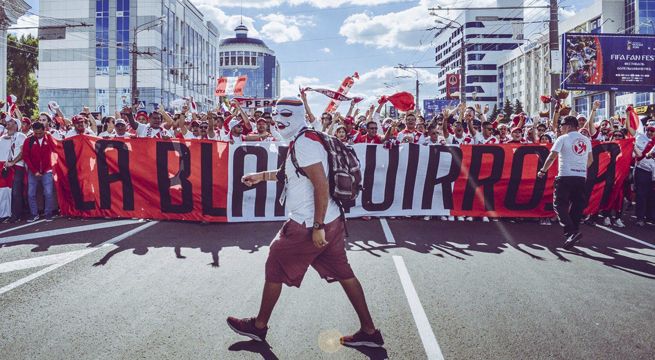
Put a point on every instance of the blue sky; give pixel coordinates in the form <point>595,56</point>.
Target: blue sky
<point>319,42</point>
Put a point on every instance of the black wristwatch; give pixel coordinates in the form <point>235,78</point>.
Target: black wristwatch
<point>318,226</point>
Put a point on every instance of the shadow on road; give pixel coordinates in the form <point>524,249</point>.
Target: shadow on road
<point>257,347</point>
<point>435,238</point>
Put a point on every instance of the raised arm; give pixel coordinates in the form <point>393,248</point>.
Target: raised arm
<point>308,109</point>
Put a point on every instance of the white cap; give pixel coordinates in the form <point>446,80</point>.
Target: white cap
<point>233,123</point>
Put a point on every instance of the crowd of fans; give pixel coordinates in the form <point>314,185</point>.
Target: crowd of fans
<point>26,145</point>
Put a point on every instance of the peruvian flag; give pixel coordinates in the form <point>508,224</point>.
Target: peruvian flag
<point>633,118</point>
<point>231,85</point>
<point>346,84</point>
<point>5,192</point>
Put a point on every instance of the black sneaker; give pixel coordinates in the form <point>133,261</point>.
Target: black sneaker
<point>33,219</point>
<point>361,338</point>
<point>246,327</point>
<point>572,240</point>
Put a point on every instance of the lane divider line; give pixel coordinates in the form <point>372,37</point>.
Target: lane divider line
<point>72,258</point>
<point>21,226</point>
<point>428,338</point>
<point>652,246</point>
<point>66,231</point>
<point>387,231</point>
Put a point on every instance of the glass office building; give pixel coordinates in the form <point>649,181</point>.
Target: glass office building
<point>242,55</point>
<point>91,66</point>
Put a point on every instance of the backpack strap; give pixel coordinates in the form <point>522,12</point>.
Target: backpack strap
<point>281,173</point>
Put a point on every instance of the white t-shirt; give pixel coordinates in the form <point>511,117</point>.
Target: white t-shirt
<point>2,130</point>
<point>6,142</point>
<point>189,135</point>
<point>73,132</point>
<point>114,134</point>
<point>56,134</point>
<point>426,140</point>
<point>146,131</point>
<point>466,139</point>
<point>480,140</point>
<point>573,151</point>
<point>641,141</point>
<point>299,189</point>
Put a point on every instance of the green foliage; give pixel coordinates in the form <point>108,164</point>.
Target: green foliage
<point>518,107</point>
<point>494,113</point>
<point>507,109</point>
<point>22,63</point>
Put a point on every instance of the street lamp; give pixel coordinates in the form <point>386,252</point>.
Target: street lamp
<point>135,52</point>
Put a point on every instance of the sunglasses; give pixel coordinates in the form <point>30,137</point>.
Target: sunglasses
<point>373,128</point>
<point>120,125</point>
<point>489,128</point>
<point>204,127</point>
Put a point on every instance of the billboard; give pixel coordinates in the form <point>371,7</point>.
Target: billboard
<point>432,107</point>
<point>601,62</point>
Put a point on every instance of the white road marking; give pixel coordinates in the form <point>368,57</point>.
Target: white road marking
<point>71,258</point>
<point>39,261</point>
<point>387,231</point>
<point>652,246</point>
<point>64,231</point>
<point>22,226</point>
<point>428,338</point>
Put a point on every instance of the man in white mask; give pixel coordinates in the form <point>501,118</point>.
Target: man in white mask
<point>313,235</point>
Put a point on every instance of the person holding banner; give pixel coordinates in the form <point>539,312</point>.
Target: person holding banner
<point>153,129</point>
<point>574,155</point>
<point>644,172</point>
<point>313,235</point>
<point>11,146</point>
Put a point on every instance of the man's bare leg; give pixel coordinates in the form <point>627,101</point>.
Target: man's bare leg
<point>355,293</point>
<point>270,295</point>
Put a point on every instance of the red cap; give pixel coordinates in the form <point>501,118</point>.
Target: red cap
<point>349,120</point>
<point>517,129</point>
<point>26,120</point>
<point>142,113</point>
<point>78,119</point>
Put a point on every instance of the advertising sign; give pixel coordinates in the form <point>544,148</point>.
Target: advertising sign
<point>601,62</point>
<point>432,107</point>
<point>452,85</point>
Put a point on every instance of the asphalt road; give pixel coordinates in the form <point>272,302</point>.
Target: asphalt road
<point>99,289</point>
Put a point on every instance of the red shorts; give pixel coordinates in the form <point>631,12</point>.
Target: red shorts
<point>293,251</point>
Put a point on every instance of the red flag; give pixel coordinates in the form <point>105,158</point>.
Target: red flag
<point>633,118</point>
<point>240,85</point>
<point>402,101</point>
<point>221,85</point>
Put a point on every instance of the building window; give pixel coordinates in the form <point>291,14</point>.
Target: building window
<point>642,99</point>
<point>580,105</point>
<point>102,37</point>
<point>601,112</point>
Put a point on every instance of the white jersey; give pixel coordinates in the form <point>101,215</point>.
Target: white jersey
<point>146,131</point>
<point>480,140</point>
<point>641,141</point>
<point>573,150</point>
<point>73,132</point>
<point>426,140</point>
<point>114,134</point>
<point>11,146</point>
<point>56,134</point>
<point>299,189</point>
<point>466,139</point>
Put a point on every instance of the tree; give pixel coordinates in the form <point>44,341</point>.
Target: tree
<point>494,113</point>
<point>507,109</point>
<point>22,63</point>
<point>518,107</point>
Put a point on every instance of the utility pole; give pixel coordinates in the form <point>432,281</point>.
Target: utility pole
<point>135,55</point>
<point>462,71</point>
<point>553,45</point>
<point>418,83</point>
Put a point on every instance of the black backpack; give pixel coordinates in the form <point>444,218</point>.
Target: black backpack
<point>344,173</point>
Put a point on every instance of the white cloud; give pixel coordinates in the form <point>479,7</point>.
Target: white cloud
<point>225,23</point>
<point>26,21</point>
<point>396,30</point>
<point>326,50</point>
<point>280,28</point>
<point>321,4</point>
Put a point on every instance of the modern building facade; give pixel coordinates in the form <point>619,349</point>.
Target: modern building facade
<point>176,50</point>
<point>524,73</point>
<point>10,11</point>
<point>487,35</point>
<point>243,55</point>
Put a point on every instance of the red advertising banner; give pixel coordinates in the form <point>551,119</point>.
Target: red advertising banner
<point>198,180</point>
<point>452,85</point>
<point>142,178</point>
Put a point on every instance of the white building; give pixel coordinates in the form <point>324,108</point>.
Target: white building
<point>92,65</point>
<point>487,34</point>
<point>10,11</point>
<point>524,73</point>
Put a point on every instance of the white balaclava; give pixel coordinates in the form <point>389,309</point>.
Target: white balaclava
<point>289,116</point>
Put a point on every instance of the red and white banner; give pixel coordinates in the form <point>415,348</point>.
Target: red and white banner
<point>346,84</point>
<point>452,85</point>
<point>201,180</point>
<point>334,95</point>
<point>231,85</point>
<point>252,103</point>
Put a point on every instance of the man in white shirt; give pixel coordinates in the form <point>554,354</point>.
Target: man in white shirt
<point>11,147</point>
<point>313,235</point>
<point>119,131</point>
<point>152,130</point>
<point>574,155</point>
<point>79,127</point>
<point>485,135</point>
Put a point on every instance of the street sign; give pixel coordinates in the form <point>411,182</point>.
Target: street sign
<point>433,107</point>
